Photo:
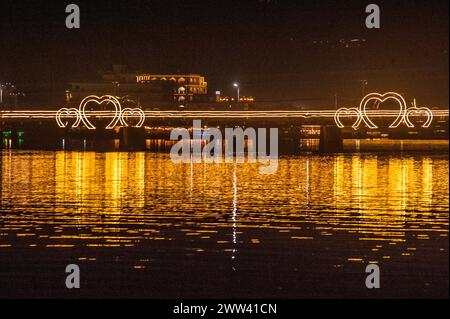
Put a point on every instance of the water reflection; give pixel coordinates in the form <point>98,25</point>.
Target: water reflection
<point>235,211</point>
<point>370,203</point>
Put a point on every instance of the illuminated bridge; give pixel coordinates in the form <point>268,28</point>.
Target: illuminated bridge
<point>278,118</point>
<point>133,124</point>
<point>304,114</point>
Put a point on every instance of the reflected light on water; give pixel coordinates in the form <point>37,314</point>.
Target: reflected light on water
<point>94,200</point>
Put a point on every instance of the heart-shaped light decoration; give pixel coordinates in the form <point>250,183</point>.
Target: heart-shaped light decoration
<point>67,112</point>
<point>414,110</point>
<point>133,112</point>
<point>380,98</point>
<point>100,100</point>
<point>346,112</point>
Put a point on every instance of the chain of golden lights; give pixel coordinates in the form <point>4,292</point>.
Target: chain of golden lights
<point>120,115</point>
<point>213,114</point>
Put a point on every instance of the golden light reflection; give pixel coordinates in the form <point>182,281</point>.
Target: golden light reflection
<point>113,200</point>
<point>427,183</point>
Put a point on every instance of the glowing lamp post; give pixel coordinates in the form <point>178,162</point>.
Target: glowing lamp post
<point>236,85</point>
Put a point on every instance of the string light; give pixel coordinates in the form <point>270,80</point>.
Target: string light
<point>119,115</point>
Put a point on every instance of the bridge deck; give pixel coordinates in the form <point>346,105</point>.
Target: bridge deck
<point>10,115</point>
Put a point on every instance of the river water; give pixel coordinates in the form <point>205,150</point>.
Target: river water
<point>139,225</point>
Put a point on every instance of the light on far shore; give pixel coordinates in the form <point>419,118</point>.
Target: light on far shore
<point>236,85</point>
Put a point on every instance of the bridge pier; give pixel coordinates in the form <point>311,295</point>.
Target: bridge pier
<point>132,138</point>
<point>330,139</point>
<point>289,140</point>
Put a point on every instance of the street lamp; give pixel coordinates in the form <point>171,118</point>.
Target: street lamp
<point>236,85</point>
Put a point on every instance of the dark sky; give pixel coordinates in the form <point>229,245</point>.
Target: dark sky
<point>259,42</point>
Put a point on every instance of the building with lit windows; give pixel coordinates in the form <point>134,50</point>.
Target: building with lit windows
<point>149,90</point>
<point>192,83</point>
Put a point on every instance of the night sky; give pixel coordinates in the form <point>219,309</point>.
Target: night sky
<point>270,46</point>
